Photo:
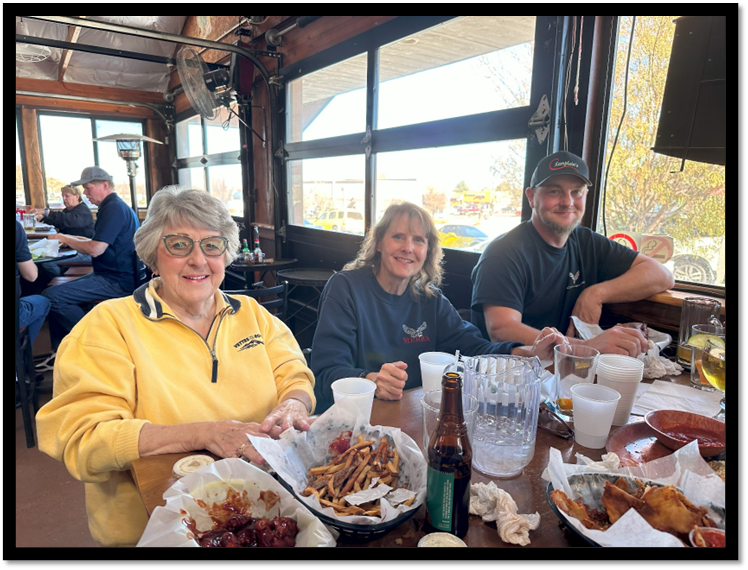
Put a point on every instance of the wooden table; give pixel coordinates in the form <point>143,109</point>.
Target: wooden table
<point>153,476</point>
<point>256,271</point>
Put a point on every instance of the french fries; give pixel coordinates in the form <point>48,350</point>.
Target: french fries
<point>353,471</point>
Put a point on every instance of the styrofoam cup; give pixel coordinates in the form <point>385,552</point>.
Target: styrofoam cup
<point>355,394</point>
<point>432,369</point>
<point>620,367</point>
<point>594,408</point>
<point>627,390</point>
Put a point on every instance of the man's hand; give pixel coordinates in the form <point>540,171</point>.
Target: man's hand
<point>543,345</point>
<point>619,340</point>
<point>588,308</point>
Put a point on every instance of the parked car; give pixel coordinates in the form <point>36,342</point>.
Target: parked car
<point>349,221</point>
<point>707,268</point>
<point>468,209</point>
<point>309,224</point>
<point>460,235</point>
<point>510,210</point>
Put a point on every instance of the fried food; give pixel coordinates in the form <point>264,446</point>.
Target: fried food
<point>616,501</point>
<point>664,508</point>
<point>578,510</point>
<point>352,471</point>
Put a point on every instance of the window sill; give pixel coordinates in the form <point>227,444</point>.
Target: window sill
<point>660,311</point>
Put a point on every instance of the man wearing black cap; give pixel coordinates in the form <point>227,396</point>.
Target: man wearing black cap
<point>111,250</point>
<point>549,268</point>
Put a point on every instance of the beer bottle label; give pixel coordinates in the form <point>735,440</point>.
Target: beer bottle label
<point>439,500</point>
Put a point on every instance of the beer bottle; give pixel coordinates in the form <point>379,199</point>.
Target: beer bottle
<point>246,254</point>
<point>449,463</point>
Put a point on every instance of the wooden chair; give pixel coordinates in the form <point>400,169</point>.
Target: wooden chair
<point>25,376</point>
<point>278,306</point>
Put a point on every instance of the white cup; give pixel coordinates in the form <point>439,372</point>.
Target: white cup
<point>432,369</point>
<point>594,407</point>
<point>355,394</point>
<point>623,374</point>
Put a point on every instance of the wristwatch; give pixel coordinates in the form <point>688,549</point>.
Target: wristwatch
<point>363,375</point>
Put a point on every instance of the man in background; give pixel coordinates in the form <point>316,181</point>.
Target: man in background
<point>111,249</point>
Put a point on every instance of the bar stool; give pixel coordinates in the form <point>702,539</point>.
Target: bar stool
<point>312,278</point>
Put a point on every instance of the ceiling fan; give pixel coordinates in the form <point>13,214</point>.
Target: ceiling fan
<point>29,53</point>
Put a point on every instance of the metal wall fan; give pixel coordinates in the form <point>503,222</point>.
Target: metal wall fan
<point>206,89</point>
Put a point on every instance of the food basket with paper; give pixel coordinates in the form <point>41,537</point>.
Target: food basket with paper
<point>232,503</point>
<point>359,479</point>
<point>653,504</point>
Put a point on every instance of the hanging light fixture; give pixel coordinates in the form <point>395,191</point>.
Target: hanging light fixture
<point>29,53</point>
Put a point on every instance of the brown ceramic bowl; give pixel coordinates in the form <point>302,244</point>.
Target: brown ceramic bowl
<point>675,429</point>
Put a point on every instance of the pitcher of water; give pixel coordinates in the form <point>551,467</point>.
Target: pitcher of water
<point>508,392</point>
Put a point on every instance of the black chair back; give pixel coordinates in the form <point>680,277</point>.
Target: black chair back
<point>141,272</point>
<point>278,306</point>
<point>25,379</point>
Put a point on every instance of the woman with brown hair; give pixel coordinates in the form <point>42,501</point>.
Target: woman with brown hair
<point>385,308</point>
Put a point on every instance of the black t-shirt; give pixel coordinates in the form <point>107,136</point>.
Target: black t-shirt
<point>521,271</point>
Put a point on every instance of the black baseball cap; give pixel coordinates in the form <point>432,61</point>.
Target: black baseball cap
<point>561,162</point>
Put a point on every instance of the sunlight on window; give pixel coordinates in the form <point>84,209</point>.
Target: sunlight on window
<point>645,193</point>
<point>473,192</point>
<point>327,193</point>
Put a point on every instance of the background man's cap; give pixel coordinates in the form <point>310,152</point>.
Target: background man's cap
<point>561,162</point>
<point>92,173</point>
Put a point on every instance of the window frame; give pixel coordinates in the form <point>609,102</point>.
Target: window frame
<point>145,154</point>
<point>24,164</point>
<point>491,126</point>
<point>207,160</point>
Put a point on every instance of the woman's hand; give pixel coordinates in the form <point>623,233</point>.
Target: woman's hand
<point>543,345</point>
<point>228,438</point>
<point>390,380</point>
<point>288,413</point>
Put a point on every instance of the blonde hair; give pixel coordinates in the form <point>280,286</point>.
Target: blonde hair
<point>430,277</point>
<point>73,191</point>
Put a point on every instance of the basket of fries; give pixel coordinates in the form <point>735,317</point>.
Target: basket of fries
<point>358,479</point>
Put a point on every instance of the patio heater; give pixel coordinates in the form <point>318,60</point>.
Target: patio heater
<point>128,148</point>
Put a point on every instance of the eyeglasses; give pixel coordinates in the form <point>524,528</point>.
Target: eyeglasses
<point>181,246</point>
<point>549,421</point>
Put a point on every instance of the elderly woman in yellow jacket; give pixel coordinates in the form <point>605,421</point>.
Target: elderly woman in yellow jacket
<point>178,366</point>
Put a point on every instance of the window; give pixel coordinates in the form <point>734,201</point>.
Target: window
<point>443,134</point>
<point>645,192</point>
<point>208,157</point>
<point>60,133</point>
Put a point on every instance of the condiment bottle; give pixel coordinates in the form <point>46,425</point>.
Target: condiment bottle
<point>259,257</point>
<point>449,457</point>
<point>246,254</point>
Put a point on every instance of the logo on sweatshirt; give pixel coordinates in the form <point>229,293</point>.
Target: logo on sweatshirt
<point>416,335</point>
<point>249,342</point>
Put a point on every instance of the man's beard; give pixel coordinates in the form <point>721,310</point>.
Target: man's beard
<point>558,229</point>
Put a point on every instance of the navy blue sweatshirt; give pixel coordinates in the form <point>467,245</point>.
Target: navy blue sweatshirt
<point>361,327</point>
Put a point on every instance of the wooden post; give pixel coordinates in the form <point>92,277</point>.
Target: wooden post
<point>33,158</point>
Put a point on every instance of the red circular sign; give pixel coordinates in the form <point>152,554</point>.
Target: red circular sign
<point>624,239</point>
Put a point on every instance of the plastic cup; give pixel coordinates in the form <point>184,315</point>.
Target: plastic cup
<point>431,403</point>
<point>355,394</point>
<point>573,364</point>
<point>432,369</point>
<point>594,408</point>
<point>623,374</point>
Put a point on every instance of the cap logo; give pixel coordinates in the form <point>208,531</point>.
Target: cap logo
<point>557,165</point>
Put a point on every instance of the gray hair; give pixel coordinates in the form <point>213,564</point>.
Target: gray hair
<point>431,272</point>
<point>174,206</point>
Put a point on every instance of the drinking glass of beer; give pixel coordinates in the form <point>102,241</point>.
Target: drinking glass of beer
<point>713,367</point>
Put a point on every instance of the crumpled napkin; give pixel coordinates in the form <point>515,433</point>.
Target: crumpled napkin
<point>45,248</point>
<point>494,504</point>
<point>655,366</point>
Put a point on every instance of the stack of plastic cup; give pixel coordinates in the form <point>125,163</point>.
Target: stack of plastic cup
<point>594,406</point>
<point>623,374</point>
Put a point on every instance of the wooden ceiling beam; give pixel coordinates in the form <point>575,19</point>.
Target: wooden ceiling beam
<point>85,90</point>
<point>73,33</point>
